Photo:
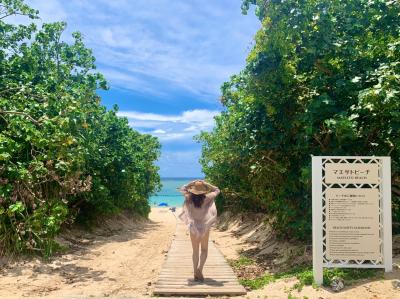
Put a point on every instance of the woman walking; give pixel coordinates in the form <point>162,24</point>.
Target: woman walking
<point>199,213</point>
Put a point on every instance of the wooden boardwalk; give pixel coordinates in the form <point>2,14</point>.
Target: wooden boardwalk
<point>176,276</point>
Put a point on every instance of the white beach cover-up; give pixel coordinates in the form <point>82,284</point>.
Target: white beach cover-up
<point>199,220</point>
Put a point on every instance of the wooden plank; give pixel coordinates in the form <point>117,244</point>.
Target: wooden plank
<point>199,288</point>
<point>190,288</point>
<point>189,275</point>
<point>177,259</point>
<point>178,268</point>
<point>182,265</point>
<point>201,292</point>
<point>177,262</point>
<point>206,280</point>
<point>176,276</point>
<point>197,284</point>
<point>206,272</point>
<point>209,271</point>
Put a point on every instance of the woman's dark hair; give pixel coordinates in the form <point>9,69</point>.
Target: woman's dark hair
<point>197,199</point>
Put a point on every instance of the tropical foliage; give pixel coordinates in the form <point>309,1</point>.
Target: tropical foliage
<point>62,154</point>
<point>323,78</point>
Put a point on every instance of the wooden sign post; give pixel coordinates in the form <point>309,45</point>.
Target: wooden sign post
<point>351,210</point>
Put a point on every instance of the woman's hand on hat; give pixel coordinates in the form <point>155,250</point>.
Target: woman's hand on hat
<point>210,185</point>
<point>183,188</point>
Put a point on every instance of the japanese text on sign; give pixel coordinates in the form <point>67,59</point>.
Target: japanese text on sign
<point>351,173</point>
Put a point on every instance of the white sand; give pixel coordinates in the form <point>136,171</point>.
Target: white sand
<point>116,263</point>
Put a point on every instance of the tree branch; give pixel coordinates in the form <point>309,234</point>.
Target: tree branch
<point>12,14</point>
<point>10,89</point>
<point>396,191</point>
<point>319,141</point>
<point>21,113</point>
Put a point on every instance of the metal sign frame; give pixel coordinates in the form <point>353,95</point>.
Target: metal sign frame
<point>319,187</point>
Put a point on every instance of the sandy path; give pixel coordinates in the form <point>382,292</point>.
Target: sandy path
<point>122,262</point>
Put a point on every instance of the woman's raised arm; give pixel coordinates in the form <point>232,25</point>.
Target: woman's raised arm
<point>212,195</point>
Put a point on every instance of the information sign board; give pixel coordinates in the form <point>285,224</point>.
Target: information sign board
<point>351,213</point>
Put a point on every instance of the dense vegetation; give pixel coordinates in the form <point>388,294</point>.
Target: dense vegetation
<point>62,155</point>
<point>323,78</point>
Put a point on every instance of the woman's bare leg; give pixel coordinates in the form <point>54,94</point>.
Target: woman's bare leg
<point>195,257</point>
<point>204,251</point>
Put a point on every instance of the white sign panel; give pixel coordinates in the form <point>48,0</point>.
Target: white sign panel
<point>351,205</point>
<point>352,224</point>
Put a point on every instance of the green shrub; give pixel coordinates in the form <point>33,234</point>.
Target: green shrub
<point>62,154</point>
<point>321,79</point>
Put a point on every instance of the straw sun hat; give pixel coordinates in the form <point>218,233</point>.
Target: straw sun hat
<point>199,187</point>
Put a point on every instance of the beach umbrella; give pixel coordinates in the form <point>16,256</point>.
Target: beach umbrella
<point>163,204</point>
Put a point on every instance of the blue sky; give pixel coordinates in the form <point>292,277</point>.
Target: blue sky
<point>165,61</point>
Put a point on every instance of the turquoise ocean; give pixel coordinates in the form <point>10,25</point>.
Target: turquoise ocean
<point>168,193</point>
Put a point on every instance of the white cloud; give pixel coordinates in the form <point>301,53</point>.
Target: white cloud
<point>172,127</point>
<point>159,131</point>
<point>128,81</point>
<point>49,11</point>
<point>148,116</point>
<point>139,124</point>
<point>117,37</point>
<point>191,129</point>
<point>203,119</point>
<point>167,45</point>
<point>201,116</point>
